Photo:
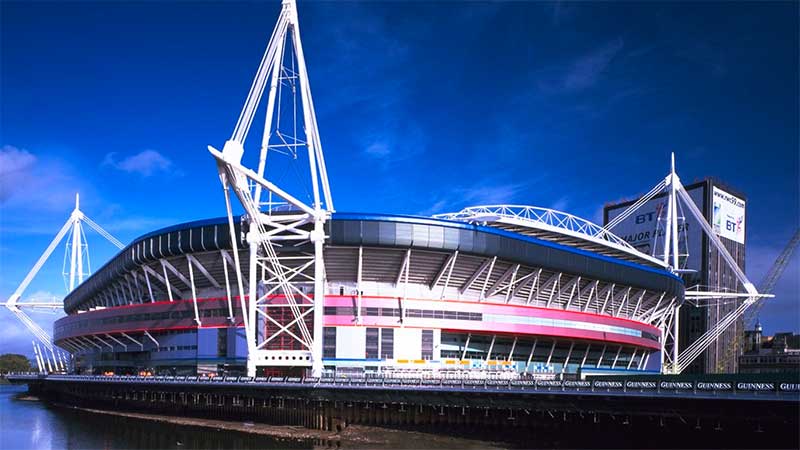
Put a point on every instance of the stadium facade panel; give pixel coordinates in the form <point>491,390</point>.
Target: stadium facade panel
<point>404,296</point>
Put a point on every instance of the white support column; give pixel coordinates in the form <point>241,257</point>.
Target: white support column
<point>194,291</point>
<point>600,360</point>
<point>586,354</point>
<point>252,301</point>
<point>630,362</point>
<point>475,275</point>
<point>511,353</point>
<point>103,342</point>
<point>76,252</point>
<point>90,342</point>
<point>616,357</point>
<point>231,316</point>
<point>140,344</point>
<point>491,347</point>
<point>609,294</point>
<point>319,283</point>
<point>623,301</point>
<point>39,361</point>
<point>511,283</point>
<point>486,280</point>
<point>55,358</point>
<point>675,334</point>
<point>150,336</point>
<point>166,280</point>
<point>555,286</point>
<point>125,346</point>
<point>575,285</point>
<point>466,345</point>
<point>359,288</point>
<point>203,270</point>
<point>530,356</point>
<point>569,355</point>
<point>638,303</point>
<point>449,274</point>
<point>534,286</point>
<point>550,356</point>
<point>497,285</point>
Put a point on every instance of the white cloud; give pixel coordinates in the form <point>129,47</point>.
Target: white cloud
<point>15,165</point>
<point>29,182</point>
<point>144,163</point>
<point>485,193</point>
<point>436,208</point>
<point>138,223</point>
<point>378,149</point>
<point>585,71</point>
<point>561,204</point>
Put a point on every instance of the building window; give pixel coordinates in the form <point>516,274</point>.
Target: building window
<point>387,343</point>
<point>427,344</point>
<point>329,342</point>
<point>222,342</point>
<point>371,344</point>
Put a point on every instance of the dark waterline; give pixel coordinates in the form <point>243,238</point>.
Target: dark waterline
<point>36,425</point>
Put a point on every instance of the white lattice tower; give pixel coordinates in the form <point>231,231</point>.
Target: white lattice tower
<point>76,254</point>
<point>285,267</point>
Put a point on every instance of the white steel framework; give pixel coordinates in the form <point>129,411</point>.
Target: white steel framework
<point>77,255</point>
<point>674,360</point>
<point>547,219</point>
<point>302,227</point>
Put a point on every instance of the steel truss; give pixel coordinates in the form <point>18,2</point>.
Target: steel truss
<point>76,250</point>
<point>301,288</point>
<point>547,219</point>
<point>675,361</point>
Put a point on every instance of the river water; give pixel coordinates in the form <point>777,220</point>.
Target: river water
<point>35,425</point>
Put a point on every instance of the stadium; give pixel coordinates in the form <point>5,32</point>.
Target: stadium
<point>488,292</point>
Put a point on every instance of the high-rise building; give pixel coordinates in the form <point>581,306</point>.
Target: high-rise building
<point>703,267</point>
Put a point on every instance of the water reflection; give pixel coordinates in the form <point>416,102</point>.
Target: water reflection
<point>36,425</point>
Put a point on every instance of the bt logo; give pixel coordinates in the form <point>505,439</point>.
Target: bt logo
<point>735,226</point>
<point>648,217</point>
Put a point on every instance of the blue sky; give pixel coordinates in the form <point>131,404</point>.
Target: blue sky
<point>427,107</point>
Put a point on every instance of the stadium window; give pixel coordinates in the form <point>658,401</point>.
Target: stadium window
<point>387,343</point>
<point>427,344</point>
<point>371,344</point>
<point>222,342</point>
<point>329,342</point>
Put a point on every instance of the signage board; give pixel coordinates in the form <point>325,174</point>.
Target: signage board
<point>728,215</point>
<point>645,229</point>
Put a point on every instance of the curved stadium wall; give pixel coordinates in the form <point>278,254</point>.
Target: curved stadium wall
<point>432,296</point>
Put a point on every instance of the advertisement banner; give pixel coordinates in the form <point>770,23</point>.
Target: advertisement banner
<point>645,229</point>
<point>728,215</point>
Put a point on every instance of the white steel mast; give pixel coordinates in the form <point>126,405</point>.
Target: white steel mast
<point>299,280</point>
<point>673,359</point>
<point>75,248</point>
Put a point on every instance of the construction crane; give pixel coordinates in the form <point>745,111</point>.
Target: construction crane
<point>766,287</point>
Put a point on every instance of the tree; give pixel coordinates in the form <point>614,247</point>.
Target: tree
<point>11,362</point>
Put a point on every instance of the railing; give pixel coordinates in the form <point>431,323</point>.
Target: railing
<point>607,385</point>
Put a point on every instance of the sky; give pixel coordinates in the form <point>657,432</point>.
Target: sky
<point>423,108</point>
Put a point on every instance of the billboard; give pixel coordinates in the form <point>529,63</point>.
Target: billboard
<point>644,230</point>
<point>728,215</point>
